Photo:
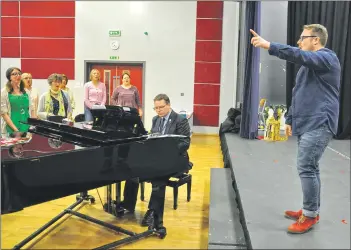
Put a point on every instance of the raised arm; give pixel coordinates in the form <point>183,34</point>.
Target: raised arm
<point>317,60</point>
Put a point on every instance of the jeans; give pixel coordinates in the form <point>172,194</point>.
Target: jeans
<point>88,115</point>
<point>311,146</point>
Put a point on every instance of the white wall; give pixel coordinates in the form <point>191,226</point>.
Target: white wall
<point>169,49</point>
<point>229,58</point>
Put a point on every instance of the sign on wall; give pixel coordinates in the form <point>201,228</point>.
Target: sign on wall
<point>114,57</point>
<point>114,33</point>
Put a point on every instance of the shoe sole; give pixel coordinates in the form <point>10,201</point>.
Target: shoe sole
<point>295,219</point>
<point>291,232</point>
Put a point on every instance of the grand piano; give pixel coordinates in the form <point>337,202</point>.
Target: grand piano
<point>84,156</point>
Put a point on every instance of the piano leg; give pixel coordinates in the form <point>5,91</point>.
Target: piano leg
<point>108,205</point>
<point>80,198</point>
<point>113,206</point>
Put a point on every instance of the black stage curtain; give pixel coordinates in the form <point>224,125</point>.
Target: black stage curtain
<point>336,17</point>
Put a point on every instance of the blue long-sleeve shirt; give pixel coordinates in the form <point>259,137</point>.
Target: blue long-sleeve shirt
<point>315,97</point>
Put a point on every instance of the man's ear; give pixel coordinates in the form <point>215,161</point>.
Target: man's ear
<point>317,40</point>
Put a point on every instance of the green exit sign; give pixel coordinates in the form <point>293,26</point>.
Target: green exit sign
<point>114,57</point>
<point>114,33</point>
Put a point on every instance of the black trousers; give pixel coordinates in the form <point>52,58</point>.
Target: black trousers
<point>157,199</point>
<point>130,194</point>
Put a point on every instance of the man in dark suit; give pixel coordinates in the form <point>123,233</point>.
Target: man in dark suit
<point>165,122</point>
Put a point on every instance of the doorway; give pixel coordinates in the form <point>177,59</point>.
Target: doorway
<point>111,75</point>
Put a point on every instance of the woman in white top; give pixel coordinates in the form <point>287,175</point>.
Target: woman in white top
<point>32,92</point>
<point>54,102</point>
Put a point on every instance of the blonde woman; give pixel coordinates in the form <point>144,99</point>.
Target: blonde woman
<point>126,94</point>
<point>54,102</point>
<point>64,87</point>
<point>16,105</point>
<point>94,94</point>
<point>33,92</point>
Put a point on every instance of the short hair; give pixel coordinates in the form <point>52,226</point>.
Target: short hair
<point>24,75</point>
<point>319,31</point>
<point>161,97</point>
<point>54,78</point>
<point>64,77</point>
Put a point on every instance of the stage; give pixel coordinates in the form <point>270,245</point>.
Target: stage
<point>267,183</point>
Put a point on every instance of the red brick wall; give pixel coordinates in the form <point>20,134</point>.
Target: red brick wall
<point>41,34</point>
<point>208,56</point>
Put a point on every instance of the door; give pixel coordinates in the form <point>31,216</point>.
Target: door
<point>111,75</point>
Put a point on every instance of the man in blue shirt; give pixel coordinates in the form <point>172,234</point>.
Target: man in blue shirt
<point>313,115</point>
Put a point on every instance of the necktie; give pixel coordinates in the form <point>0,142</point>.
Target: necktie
<point>162,125</point>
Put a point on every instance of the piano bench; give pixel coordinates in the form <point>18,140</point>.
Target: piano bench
<point>175,182</point>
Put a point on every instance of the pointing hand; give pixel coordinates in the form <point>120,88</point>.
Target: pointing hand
<point>258,41</point>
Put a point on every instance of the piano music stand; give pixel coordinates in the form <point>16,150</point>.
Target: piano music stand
<point>116,122</point>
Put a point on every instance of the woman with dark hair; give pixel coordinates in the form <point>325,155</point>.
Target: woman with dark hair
<point>126,94</point>
<point>16,105</point>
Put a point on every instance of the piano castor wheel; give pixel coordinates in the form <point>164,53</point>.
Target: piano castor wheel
<point>119,211</point>
<point>92,200</point>
<point>162,232</point>
<point>78,197</point>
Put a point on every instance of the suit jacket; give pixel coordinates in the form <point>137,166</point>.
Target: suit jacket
<point>176,125</point>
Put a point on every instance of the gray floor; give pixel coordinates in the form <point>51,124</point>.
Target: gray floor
<point>225,229</point>
<point>268,183</point>
<point>340,147</point>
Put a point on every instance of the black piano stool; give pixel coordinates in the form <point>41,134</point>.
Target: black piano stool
<point>181,179</point>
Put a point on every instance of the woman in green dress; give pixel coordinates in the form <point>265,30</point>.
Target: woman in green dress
<point>16,106</point>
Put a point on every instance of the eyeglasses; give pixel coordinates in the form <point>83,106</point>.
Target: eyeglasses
<point>16,74</point>
<point>160,107</point>
<point>303,37</point>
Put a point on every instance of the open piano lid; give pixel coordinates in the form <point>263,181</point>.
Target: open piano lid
<point>113,125</point>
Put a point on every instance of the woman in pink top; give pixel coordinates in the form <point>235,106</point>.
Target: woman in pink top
<point>95,94</point>
<point>126,95</point>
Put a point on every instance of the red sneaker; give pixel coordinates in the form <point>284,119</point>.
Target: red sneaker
<point>302,225</point>
<point>295,215</point>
